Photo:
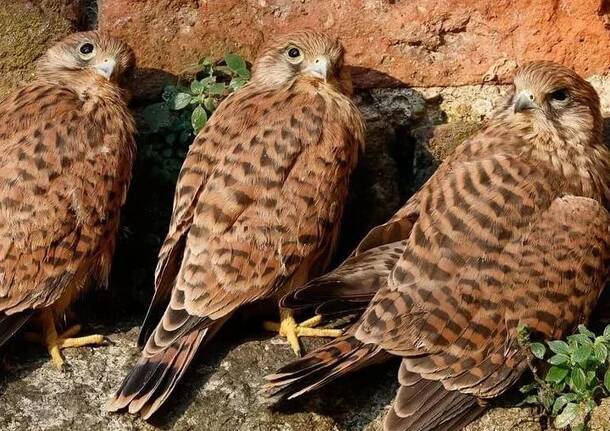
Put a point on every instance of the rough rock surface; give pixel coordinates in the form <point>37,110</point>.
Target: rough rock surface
<point>27,29</point>
<point>220,393</point>
<point>416,43</point>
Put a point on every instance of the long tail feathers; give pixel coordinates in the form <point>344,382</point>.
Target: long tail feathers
<point>152,380</point>
<point>425,405</point>
<point>420,404</point>
<point>339,357</point>
<point>10,324</point>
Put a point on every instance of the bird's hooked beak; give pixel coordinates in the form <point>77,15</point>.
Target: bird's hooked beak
<point>524,102</point>
<point>319,67</point>
<point>106,68</point>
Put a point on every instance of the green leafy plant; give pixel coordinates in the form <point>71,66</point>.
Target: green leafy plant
<point>577,375</point>
<point>185,108</point>
<point>169,126</point>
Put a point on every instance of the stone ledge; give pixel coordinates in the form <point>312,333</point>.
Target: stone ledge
<point>220,393</point>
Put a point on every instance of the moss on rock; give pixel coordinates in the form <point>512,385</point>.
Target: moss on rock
<point>26,31</point>
<point>445,138</point>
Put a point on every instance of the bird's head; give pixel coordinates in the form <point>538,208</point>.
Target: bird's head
<point>96,54</point>
<point>302,54</point>
<point>555,100</point>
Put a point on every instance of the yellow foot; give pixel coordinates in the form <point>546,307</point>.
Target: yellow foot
<point>56,342</point>
<point>292,331</point>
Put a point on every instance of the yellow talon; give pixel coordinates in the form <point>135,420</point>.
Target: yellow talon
<point>289,328</point>
<point>89,340</point>
<point>56,342</point>
<point>71,331</point>
<point>311,322</point>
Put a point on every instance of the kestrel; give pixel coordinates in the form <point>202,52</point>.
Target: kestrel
<point>257,209</point>
<point>511,232</point>
<point>66,152</point>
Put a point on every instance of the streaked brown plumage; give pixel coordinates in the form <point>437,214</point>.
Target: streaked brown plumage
<point>257,207</point>
<point>66,151</point>
<point>511,231</point>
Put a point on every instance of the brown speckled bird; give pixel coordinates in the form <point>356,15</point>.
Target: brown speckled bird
<point>257,209</point>
<point>66,150</point>
<point>510,232</point>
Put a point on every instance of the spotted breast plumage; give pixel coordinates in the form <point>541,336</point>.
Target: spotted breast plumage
<point>511,232</point>
<point>66,151</point>
<point>256,211</point>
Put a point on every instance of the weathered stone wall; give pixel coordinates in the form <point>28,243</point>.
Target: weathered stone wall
<point>424,43</point>
<point>392,42</point>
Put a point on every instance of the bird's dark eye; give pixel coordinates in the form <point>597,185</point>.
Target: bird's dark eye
<point>294,53</point>
<point>86,48</point>
<point>560,95</point>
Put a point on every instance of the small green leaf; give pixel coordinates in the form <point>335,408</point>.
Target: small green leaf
<point>607,380</point>
<point>584,331</point>
<point>197,87</point>
<point>559,404</point>
<point>528,388</point>
<point>237,83</point>
<point>607,332</point>
<point>578,379</point>
<point>199,118</point>
<point>556,374</point>
<point>244,74</point>
<point>579,339</point>
<point>206,82</point>
<point>559,346</point>
<point>209,104</point>
<point>567,416</point>
<point>558,359</point>
<point>531,399</point>
<point>600,351</point>
<point>582,354</point>
<point>181,101</point>
<point>235,62</point>
<point>538,350</point>
<point>217,89</point>
<point>571,397</point>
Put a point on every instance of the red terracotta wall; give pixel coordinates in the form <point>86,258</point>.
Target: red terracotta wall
<point>408,42</point>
